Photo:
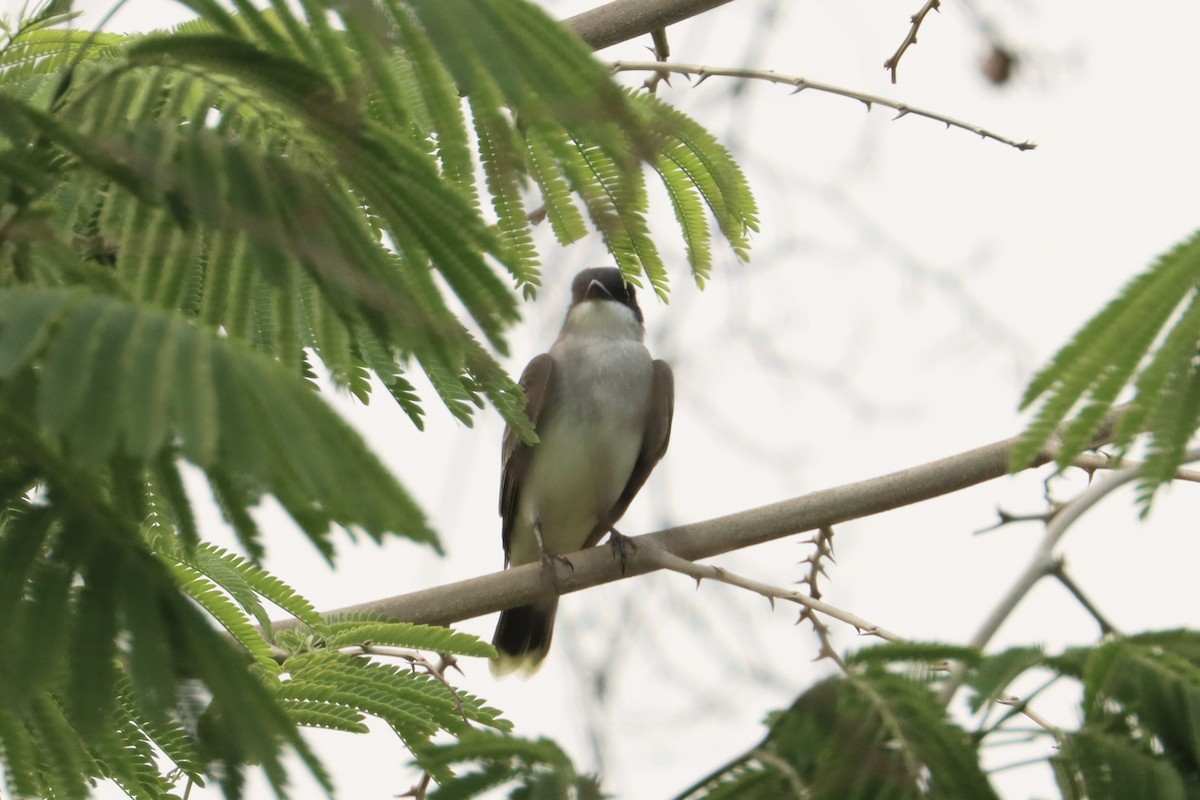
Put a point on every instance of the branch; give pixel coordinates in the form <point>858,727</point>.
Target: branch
<point>800,84</point>
<point>1060,572</point>
<point>911,38</point>
<point>487,594</point>
<point>622,20</point>
<point>661,559</point>
<point>1044,562</point>
<point>1022,707</point>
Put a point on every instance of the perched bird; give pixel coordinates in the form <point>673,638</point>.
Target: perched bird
<point>602,409</point>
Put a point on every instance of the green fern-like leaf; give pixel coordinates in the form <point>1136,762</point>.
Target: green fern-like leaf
<point>902,652</point>
<point>1103,767</point>
<point>330,716</point>
<point>690,151</point>
<point>225,401</point>
<point>209,595</point>
<point>990,676</point>
<point>1112,351</point>
<point>867,737</point>
<point>485,760</point>
<point>433,638</point>
<point>503,167</point>
<point>1148,693</point>
<point>330,690</point>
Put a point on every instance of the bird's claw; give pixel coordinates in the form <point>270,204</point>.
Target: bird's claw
<point>622,546</point>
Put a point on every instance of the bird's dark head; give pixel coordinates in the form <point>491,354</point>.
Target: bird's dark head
<point>605,283</point>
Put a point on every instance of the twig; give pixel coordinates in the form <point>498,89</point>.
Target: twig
<point>988,731</point>
<point>1009,518</point>
<point>662,559</point>
<point>1022,706</point>
<point>1060,572</point>
<point>661,51</point>
<point>823,549</point>
<point>418,791</point>
<point>911,38</point>
<point>703,73</point>
<point>1091,463</point>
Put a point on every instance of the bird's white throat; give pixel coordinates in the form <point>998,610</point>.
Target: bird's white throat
<point>603,319</point>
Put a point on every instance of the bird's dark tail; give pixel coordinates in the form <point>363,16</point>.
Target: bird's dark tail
<point>523,638</point>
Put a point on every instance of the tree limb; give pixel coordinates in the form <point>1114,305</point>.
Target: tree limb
<point>442,605</point>
<point>622,20</point>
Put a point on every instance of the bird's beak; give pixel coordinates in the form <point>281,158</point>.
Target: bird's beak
<point>596,289</point>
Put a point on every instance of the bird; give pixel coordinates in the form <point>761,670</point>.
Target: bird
<point>602,409</point>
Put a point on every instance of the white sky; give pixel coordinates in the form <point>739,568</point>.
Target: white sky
<point>907,281</point>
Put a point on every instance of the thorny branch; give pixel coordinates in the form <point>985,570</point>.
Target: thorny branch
<point>822,542</point>
<point>911,38</point>
<point>812,606</point>
<point>703,73</point>
<point>663,559</point>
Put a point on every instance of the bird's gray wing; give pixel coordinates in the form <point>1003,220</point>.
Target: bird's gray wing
<point>515,455</point>
<point>654,446</point>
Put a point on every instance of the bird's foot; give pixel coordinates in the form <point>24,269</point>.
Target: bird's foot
<point>622,546</point>
<point>548,560</point>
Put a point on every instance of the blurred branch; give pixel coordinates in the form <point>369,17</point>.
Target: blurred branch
<point>1044,561</point>
<point>703,73</point>
<point>622,20</point>
<point>911,39</point>
<point>1021,706</point>
<point>1060,572</point>
<point>486,594</point>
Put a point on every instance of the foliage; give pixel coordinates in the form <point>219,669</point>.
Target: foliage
<point>533,770</point>
<point>195,224</point>
<point>882,732</point>
<point>874,734</point>
<point>1147,339</point>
